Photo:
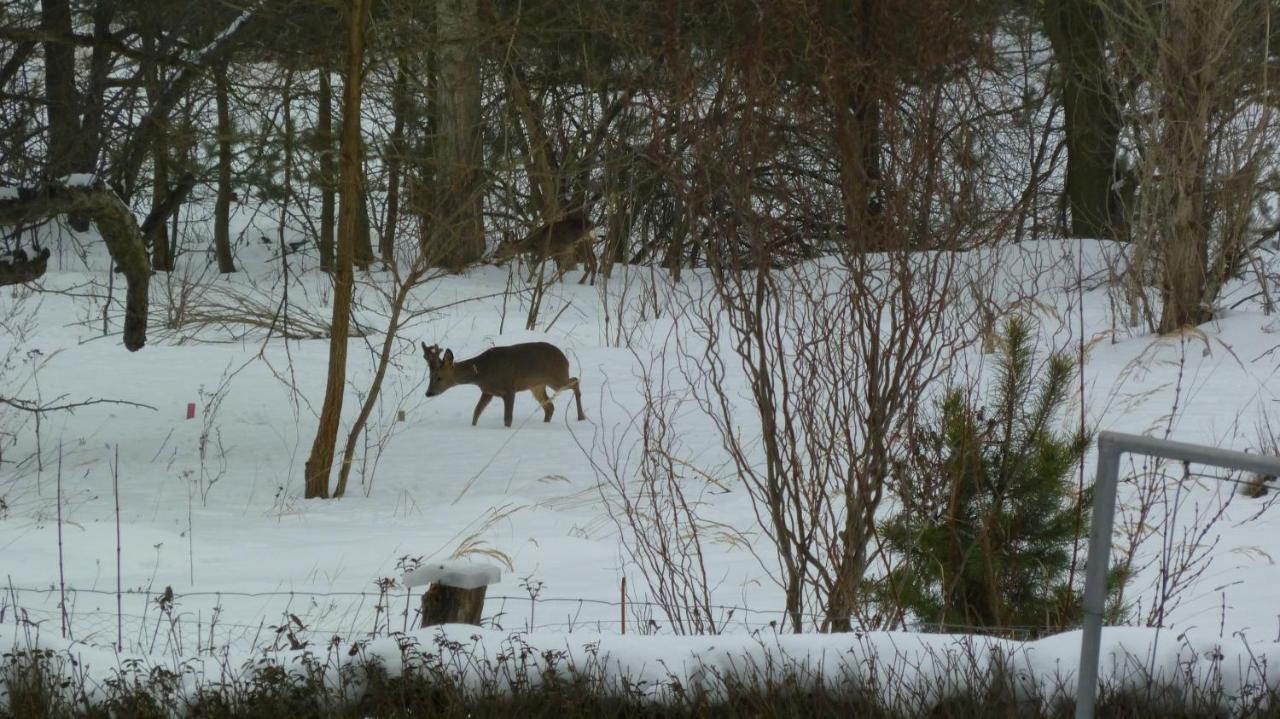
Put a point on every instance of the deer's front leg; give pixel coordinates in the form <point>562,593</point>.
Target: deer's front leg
<point>484,402</point>
<point>508,407</point>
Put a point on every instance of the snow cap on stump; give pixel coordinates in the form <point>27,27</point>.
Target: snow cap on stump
<point>457,573</point>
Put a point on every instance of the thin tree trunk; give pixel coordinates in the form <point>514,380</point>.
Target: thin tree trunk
<point>324,135</point>
<point>222,205</point>
<point>21,53</point>
<point>287,141</point>
<point>395,161</point>
<point>363,249</point>
<point>320,463</point>
<point>62,102</point>
<point>162,256</point>
<point>375,389</point>
<point>458,231</point>
<point>1184,147</point>
<point>856,124</point>
<point>91,126</point>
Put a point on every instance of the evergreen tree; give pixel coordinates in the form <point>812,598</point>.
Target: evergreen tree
<point>990,514</point>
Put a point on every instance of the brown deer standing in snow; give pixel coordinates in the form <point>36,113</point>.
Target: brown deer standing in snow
<point>566,241</point>
<point>503,371</point>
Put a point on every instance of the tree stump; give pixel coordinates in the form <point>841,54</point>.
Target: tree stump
<point>456,592</point>
<point>443,604</point>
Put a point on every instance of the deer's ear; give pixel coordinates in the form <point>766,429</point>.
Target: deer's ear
<point>426,351</point>
<point>448,356</point>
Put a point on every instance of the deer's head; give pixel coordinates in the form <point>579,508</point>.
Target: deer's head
<point>442,373</point>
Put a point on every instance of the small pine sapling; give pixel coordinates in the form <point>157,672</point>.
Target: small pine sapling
<point>990,514</point>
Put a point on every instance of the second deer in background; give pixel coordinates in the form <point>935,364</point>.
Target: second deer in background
<point>566,241</point>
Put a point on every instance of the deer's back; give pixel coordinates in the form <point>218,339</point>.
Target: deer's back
<point>519,367</point>
<point>558,236</point>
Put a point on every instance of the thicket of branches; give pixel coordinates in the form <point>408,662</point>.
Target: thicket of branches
<point>485,116</point>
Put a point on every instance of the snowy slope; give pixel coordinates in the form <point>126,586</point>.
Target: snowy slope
<point>221,521</point>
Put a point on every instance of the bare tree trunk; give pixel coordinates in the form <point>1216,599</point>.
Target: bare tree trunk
<point>1092,115</point>
<point>162,255</point>
<point>1186,243</point>
<point>395,163</point>
<point>320,463</point>
<point>324,136</point>
<point>458,231</point>
<point>62,102</point>
<point>91,127</point>
<point>363,249</point>
<point>362,242</point>
<point>856,122</point>
<point>222,205</point>
<point>21,53</point>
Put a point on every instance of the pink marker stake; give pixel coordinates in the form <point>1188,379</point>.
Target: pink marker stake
<point>191,410</point>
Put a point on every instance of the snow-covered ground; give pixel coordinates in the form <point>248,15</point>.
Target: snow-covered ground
<point>211,506</point>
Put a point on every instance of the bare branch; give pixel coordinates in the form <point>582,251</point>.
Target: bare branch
<point>27,405</point>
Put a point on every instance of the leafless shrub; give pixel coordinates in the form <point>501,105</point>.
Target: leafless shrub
<point>655,496</point>
<point>835,361</point>
<point>1202,129</point>
<point>1268,442</point>
<point>1170,525</point>
<point>829,309</point>
<point>199,303</point>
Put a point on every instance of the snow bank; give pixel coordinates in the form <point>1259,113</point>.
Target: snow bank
<point>903,669</point>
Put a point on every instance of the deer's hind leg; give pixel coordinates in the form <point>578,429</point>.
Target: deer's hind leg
<point>540,393</point>
<point>565,264</point>
<point>591,264</point>
<point>577,396</point>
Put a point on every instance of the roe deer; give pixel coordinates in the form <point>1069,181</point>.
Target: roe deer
<point>566,241</point>
<point>503,371</point>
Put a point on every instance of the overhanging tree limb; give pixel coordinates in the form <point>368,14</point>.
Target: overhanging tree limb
<point>116,224</point>
<point>28,37</point>
<point>161,213</point>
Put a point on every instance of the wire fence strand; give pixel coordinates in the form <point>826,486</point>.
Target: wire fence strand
<point>211,622</point>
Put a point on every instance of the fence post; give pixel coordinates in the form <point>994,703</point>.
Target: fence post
<point>1096,567</point>
<point>1110,446</point>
